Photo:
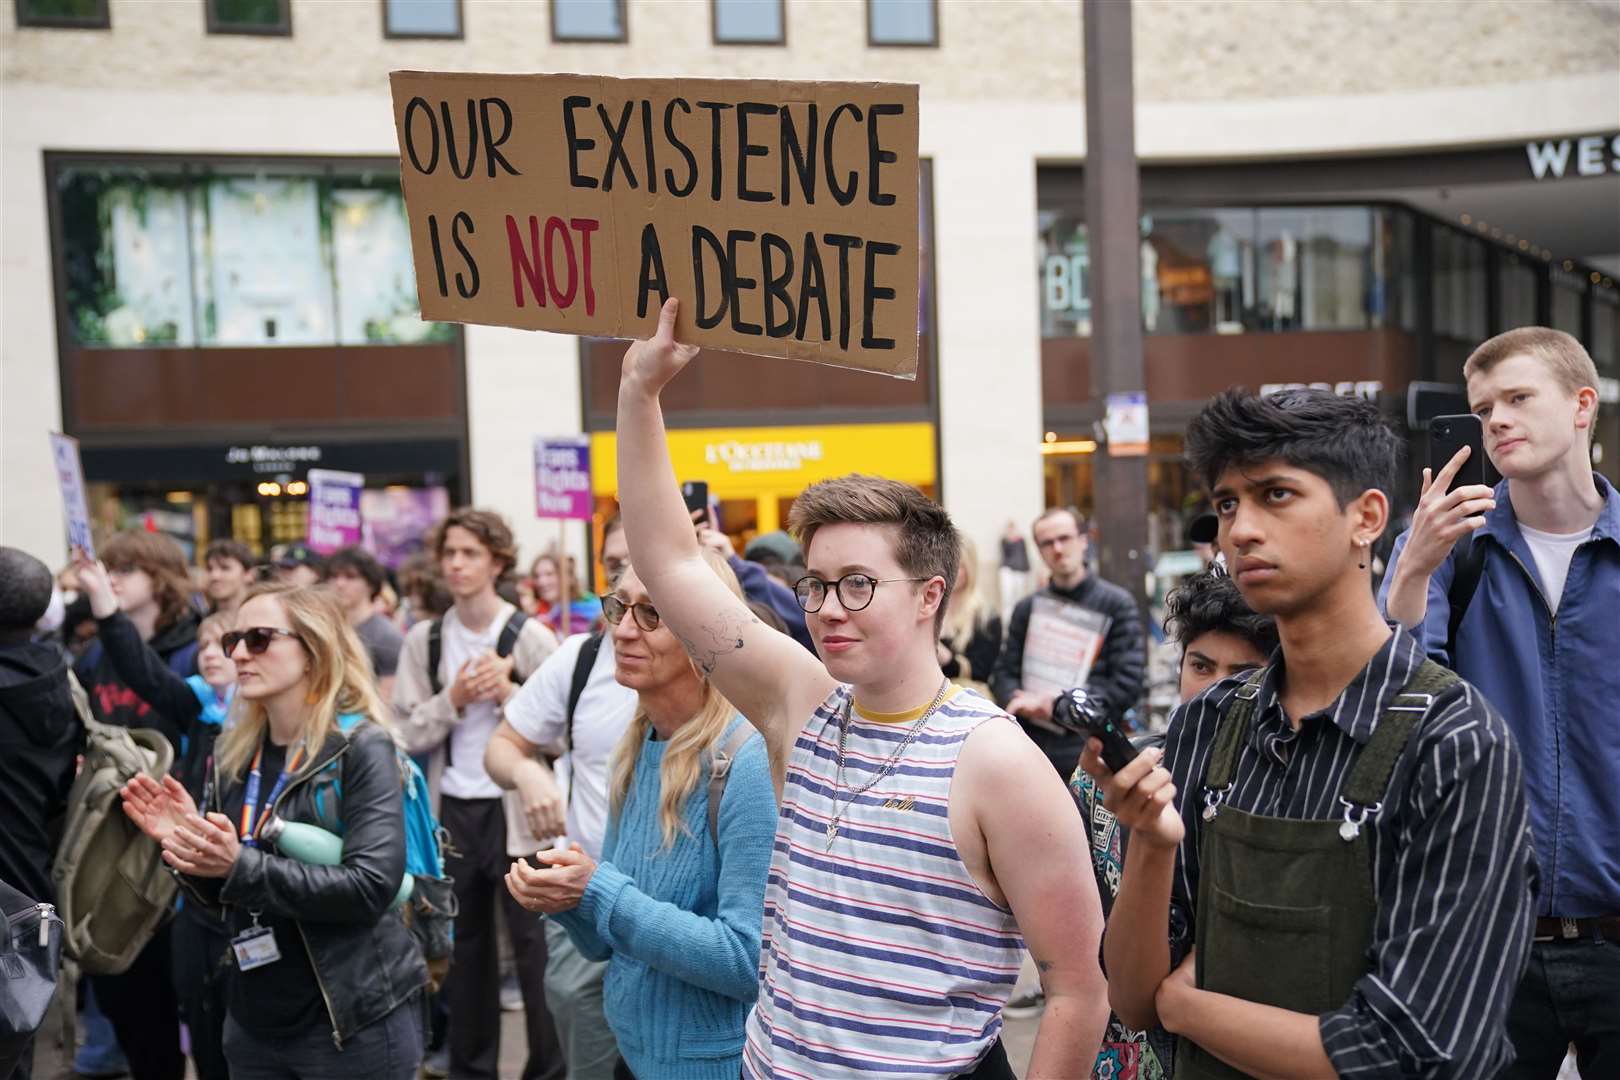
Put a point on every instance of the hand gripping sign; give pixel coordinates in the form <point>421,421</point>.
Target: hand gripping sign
<point>783,214</point>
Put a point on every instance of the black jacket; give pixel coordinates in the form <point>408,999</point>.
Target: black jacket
<point>40,738</point>
<point>141,670</point>
<point>1116,677</point>
<point>112,700</point>
<point>365,959</point>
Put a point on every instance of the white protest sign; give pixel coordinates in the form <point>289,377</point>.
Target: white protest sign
<point>70,477</point>
<point>1060,645</point>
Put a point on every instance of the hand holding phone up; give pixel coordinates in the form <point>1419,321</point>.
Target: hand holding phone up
<point>1454,497</point>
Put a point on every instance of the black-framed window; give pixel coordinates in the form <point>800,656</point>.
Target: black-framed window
<point>748,22</point>
<point>589,20</point>
<point>64,14</point>
<point>235,253</point>
<point>902,22</point>
<point>272,17</point>
<point>422,19</point>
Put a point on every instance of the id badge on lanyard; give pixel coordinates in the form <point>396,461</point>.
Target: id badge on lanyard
<point>255,947</point>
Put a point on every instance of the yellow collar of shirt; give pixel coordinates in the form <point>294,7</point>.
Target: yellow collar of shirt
<point>902,717</point>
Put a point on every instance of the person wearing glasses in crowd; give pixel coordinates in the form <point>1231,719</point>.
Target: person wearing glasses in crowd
<point>1117,676</point>
<point>328,979</point>
<point>909,808</point>
<point>194,710</point>
<point>572,708</point>
<point>674,903</point>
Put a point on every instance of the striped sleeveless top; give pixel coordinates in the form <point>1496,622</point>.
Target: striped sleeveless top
<point>880,954</point>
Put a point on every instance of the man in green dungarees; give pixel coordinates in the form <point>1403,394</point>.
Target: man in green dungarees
<point>1337,842</point>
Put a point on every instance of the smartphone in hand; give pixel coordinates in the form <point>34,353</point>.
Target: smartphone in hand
<point>696,494</point>
<point>1447,435</point>
<point>1077,711</point>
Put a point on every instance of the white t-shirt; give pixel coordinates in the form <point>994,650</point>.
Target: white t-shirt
<point>539,713</point>
<point>1553,551</point>
<point>464,777</point>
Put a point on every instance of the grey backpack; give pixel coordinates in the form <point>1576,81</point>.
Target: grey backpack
<point>113,890</point>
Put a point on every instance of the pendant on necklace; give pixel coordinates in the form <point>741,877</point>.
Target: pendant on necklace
<point>832,833</point>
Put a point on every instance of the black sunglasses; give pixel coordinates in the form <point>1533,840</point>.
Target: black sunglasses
<point>646,615</point>
<point>256,638</point>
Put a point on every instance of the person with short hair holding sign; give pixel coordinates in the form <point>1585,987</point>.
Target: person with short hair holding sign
<point>902,886</point>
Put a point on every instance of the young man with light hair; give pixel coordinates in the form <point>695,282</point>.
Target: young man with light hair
<point>921,832</point>
<point>1538,637</point>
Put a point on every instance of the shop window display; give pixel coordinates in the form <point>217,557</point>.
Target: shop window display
<point>1459,285</point>
<point>1516,292</point>
<point>183,256</point>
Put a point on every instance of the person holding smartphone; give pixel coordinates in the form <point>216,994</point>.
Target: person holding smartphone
<point>1336,841</point>
<point>1537,636</point>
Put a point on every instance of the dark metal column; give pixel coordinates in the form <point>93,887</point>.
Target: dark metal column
<point>1114,241</point>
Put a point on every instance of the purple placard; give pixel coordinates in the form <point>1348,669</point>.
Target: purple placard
<point>334,509</point>
<point>562,478</point>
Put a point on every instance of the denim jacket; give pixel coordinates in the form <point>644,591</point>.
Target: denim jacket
<point>1555,678</point>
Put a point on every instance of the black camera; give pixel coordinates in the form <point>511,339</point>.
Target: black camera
<point>1077,711</point>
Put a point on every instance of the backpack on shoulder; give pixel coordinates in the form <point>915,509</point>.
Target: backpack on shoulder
<point>430,913</point>
<point>112,888</point>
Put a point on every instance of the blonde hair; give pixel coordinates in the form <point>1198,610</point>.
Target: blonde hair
<point>340,677</point>
<point>684,757</point>
<point>1560,353</point>
<point>967,609</point>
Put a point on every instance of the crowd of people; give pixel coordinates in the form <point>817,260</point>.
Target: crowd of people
<point>807,811</point>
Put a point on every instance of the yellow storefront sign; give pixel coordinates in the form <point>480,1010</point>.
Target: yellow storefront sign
<point>770,463</point>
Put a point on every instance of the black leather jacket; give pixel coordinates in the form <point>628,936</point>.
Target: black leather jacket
<point>366,961</point>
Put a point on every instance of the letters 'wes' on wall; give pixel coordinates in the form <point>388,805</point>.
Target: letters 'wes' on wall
<point>782,214</point>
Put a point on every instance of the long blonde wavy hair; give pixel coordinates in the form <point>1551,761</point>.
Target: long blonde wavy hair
<point>967,609</point>
<point>340,677</point>
<point>684,757</point>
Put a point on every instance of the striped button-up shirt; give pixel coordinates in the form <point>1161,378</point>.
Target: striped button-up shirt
<point>1453,869</point>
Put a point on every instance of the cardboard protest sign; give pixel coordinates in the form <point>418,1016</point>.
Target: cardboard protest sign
<point>334,509</point>
<point>782,214</point>
<point>1060,645</point>
<point>562,478</point>
<point>70,478</point>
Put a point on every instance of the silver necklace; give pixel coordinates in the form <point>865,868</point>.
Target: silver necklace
<point>884,770</point>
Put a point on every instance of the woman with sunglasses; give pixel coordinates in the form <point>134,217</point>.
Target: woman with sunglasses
<point>327,978</point>
<point>674,905</point>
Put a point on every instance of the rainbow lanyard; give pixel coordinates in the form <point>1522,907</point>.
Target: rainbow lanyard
<point>250,798</point>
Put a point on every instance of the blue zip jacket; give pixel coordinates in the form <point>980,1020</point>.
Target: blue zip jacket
<point>1556,680</point>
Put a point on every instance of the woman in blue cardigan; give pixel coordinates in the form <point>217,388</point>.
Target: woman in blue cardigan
<point>677,902</point>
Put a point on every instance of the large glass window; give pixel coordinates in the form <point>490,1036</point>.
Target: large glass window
<point>1606,329</point>
<point>1315,269</point>
<point>588,20</point>
<point>173,255</point>
<point>67,14</point>
<point>248,17</point>
<point>422,18</point>
<point>1197,270</point>
<point>902,22</point>
<point>749,22</point>
<point>1568,293</point>
<point>1516,291</point>
<point>1459,286</point>
<point>1395,282</point>
<point>1064,272</point>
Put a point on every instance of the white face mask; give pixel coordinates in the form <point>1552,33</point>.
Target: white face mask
<point>55,612</point>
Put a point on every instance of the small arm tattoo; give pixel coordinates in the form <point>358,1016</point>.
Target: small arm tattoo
<point>724,635</point>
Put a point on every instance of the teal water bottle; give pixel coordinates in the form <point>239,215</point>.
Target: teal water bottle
<point>314,845</point>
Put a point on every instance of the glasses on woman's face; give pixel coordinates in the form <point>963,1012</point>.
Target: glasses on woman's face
<point>646,615</point>
<point>256,638</point>
<point>855,591</point>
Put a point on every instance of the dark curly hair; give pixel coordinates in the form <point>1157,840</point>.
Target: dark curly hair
<point>1343,440</point>
<point>1210,601</point>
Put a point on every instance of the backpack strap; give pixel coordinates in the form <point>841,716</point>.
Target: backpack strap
<point>1369,777</point>
<point>720,771</point>
<point>509,639</point>
<point>1470,567</point>
<point>435,653</point>
<point>583,665</point>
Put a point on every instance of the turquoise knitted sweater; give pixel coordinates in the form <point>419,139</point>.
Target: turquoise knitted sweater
<point>681,927</point>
